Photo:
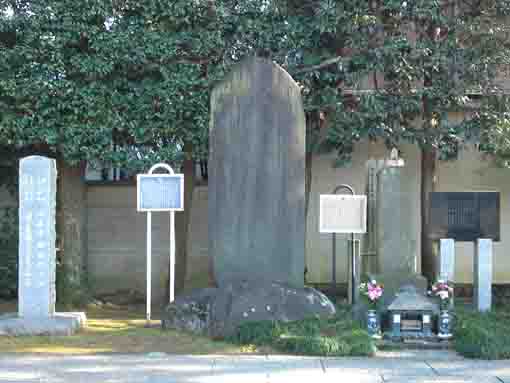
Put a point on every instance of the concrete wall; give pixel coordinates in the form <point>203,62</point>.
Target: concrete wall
<point>117,233</point>
<point>324,179</point>
<point>117,242</point>
<point>474,172</point>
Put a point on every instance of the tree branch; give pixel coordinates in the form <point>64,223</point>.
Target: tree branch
<point>326,63</point>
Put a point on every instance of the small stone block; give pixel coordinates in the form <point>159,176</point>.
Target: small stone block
<point>58,324</point>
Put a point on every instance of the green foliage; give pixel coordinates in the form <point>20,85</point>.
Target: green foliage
<point>483,335</point>
<point>338,336</point>
<point>128,82</point>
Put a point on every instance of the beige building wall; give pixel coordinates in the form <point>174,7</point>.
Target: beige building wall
<point>474,172</point>
<point>117,232</point>
<point>325,178</point>
<point>117,242</point>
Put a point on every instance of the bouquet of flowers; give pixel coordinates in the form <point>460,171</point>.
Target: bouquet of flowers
<point>444,291</point>
<point>372,291</point>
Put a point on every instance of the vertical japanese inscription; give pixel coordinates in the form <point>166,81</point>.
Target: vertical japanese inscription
<point>37,193</point>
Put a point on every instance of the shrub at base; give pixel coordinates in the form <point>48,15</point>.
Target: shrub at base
<point>483,335</point>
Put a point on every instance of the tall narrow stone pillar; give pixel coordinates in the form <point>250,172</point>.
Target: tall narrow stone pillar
<point>483,274</point>
<point>447,259</point>
<point>37,201</point>
<point>397,234</point>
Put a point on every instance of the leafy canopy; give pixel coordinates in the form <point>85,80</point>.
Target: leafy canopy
<point>128,81</point>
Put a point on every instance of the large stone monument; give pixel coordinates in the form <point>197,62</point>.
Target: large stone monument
<point>36,279</point>
<point>257,176</point>
<point>256,207</point>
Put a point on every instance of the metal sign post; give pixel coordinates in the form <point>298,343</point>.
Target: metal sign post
<point>158,193</point>
<point>343,214</point>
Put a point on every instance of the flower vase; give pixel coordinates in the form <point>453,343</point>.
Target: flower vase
<point>444,325</point>
<point>373,325</point>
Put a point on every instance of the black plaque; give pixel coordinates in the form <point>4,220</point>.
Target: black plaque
<point>465,216</point>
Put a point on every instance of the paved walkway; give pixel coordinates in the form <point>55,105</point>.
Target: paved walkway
<point>424,366</point>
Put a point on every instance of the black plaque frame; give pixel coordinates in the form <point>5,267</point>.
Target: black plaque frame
<point>465,216</point>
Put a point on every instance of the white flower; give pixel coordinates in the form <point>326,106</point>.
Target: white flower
<point>373,281</point>
<point>443,295</point>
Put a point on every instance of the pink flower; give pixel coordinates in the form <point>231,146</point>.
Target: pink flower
<point>374,293</point>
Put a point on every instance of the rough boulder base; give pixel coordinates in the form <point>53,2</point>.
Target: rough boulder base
<point>257,176</point>
<point>218,312</point>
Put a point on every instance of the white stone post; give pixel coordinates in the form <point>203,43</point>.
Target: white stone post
<point>482,292</point>
<point>447,259</point>
<point>37,202</point>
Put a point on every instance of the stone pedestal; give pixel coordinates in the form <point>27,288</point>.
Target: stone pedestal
<point>482,294</point>
<point>257,176</point>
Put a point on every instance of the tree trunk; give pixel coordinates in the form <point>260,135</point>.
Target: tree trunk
<point>71,234</point>
<point>428,164</point>
<point>308,177</point>
<point>182,220</point>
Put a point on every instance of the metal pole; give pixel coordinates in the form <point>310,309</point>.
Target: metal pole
<point>172,256</point>
<point>350,189</point>
<point>333,271</point>
<point>149,265</point>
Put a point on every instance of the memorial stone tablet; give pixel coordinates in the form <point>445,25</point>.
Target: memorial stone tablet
<point>257,176</point>
<point>465,216</point>
<point>37,194</point>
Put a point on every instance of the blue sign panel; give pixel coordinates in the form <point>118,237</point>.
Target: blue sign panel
<point>160,192</point>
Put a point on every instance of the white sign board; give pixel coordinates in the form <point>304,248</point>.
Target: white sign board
<point>160,192</point>
<point>342,213</point>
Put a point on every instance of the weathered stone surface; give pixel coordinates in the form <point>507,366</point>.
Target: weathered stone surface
<point>218,312</point>
<point>393,282</point>
<point>57,324</point>
<point>397,234</point>
<point>37,201</point>
<point>257,176</point>
<point>409,299</point>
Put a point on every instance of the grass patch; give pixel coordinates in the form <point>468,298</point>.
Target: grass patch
<point>337,336</point>
<point>483,335</point>
<point>118,330</point>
